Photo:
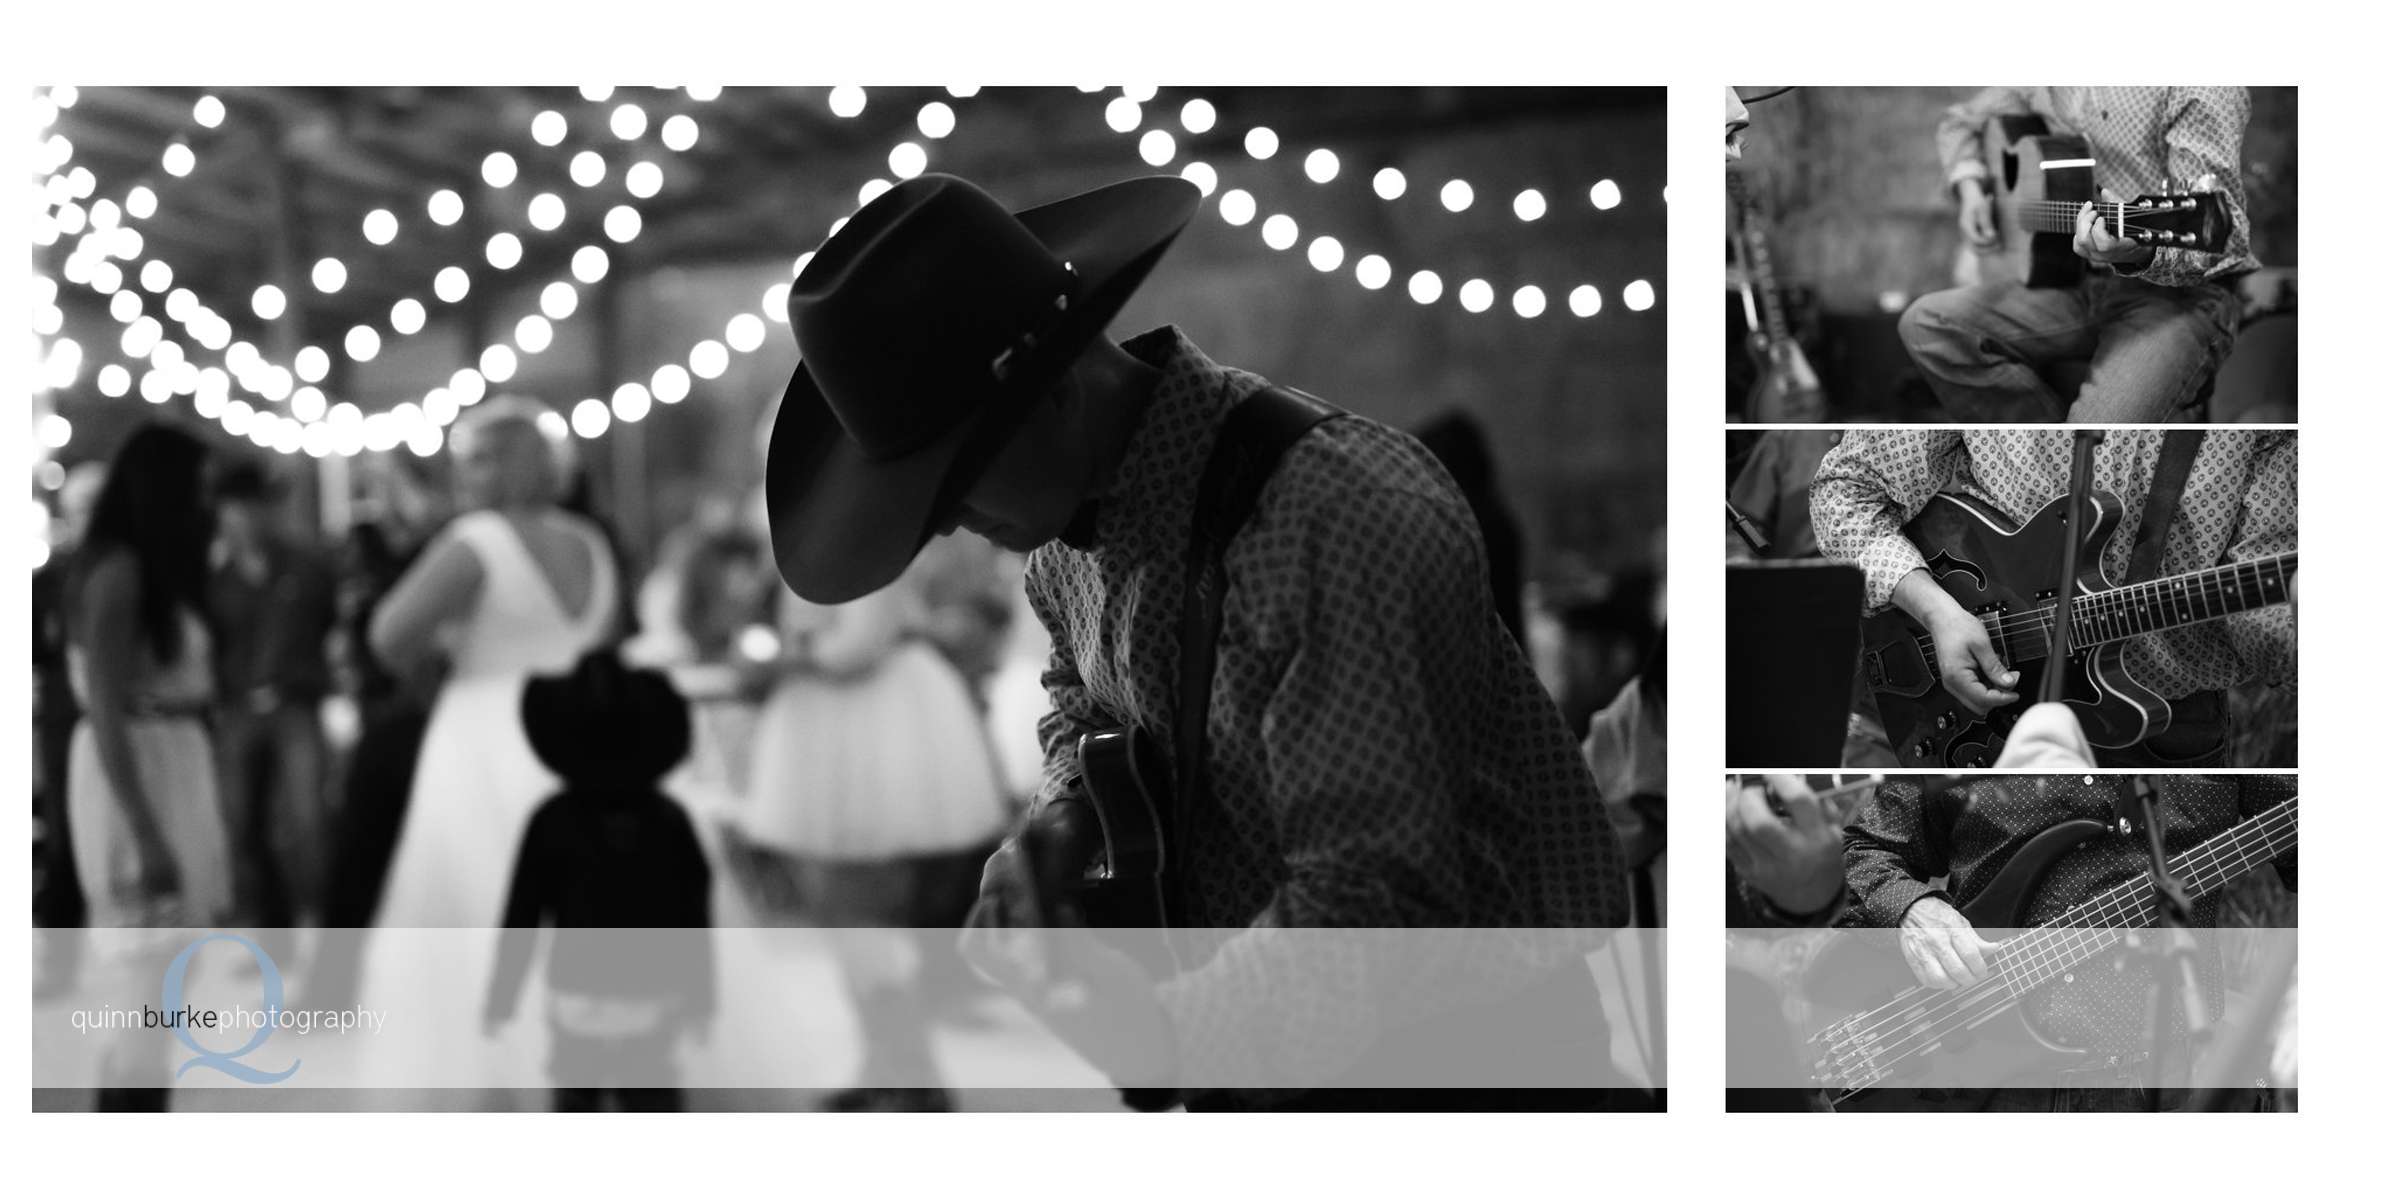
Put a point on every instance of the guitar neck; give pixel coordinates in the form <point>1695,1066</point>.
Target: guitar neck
<point>2059,216</point>
<point>2032,959</point>
<point>1758,263</point>
<point>2208,594</point>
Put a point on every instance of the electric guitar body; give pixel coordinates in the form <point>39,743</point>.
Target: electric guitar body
<point>1102,850</point>
<point>1993,568</point>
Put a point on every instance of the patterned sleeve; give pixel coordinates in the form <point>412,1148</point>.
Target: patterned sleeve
<point>1073,712</point>
<point>1891,852</point>
<point>2204,127</point>
<point>1363,774</point>
<point>2265,640</point>
<point>1869,487</point>
<point>1958,138</point>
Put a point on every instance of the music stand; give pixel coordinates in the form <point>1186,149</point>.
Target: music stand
<point>1791,656</point>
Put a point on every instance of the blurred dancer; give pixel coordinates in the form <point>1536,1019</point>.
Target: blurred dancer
<point>400,516</point>
<point>150,845</point>
<point>871,777</point>
<point>1458,440</point>
<point>514,586</point>
<point>271,601</point>
<point>57,897</point>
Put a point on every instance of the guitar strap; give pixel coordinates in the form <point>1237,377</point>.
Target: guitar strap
<point>1250,443</point>
<point>2175,454</point>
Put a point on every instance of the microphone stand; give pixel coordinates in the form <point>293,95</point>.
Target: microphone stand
<point>2062,610</point>
<point>2176,949</point>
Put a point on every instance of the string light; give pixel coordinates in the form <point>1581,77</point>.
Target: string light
<point>549,127</point>
<point>497,363</point>
<point>628,122</point>
<point>709,359</point>
<point>1424,287</point>
<point>1605,195</point>
<point>499,169</point>
<point>362,343</point>
<point>590,264</point>
<point>178,160</point>
<point>445,207</point>
<point>380,226</point>
<point>1123,114</point>
<point>847,101</point>
<point>450,285</point>
<point>1279,232</point>
<point>503,251</point>
<point>533,334</point>
<point>907,160</point>
<point>591,419</point>
<point>1202,176</point>
<point>622,224</point>
<point>546,212</point>
<point>587,168</point>
<point>680,133</point>
<point>1237,207</point>
<point>312,364</point>
<point>1199,116</point>
<point>1261,143</point>
<point>1325,254</point>
<point>1321,166</point>
<point>1530,205</point>
<point>644,179</point>
<point>329,275</point>
<point>1530,301</point>
<point>936,120</point>
<point>559,300</point>
<point>267,302</point>
<point>1639,296</point>
<point>670,384</point>
<point>408,316</point>
<point>1158,147</point>
<point>631,402</point>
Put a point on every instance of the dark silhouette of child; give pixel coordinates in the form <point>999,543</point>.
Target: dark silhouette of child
<point>615,868</point>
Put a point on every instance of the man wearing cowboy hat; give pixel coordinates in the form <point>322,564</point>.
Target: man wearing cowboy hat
<point>1377,751</point>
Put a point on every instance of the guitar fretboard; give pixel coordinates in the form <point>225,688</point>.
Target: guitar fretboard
<point>2034,958</point>
<point>2208,594</point>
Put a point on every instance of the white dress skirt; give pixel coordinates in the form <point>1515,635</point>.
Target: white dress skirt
<point>876,754</point>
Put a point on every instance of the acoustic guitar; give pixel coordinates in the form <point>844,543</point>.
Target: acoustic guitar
<point>1787,389</point>
<point>2042,180</point>
<point>1982,1032</point>
<point>2006,575</point>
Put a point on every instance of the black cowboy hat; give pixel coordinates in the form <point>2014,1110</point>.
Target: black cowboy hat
<point>927,326</point>
<point>604,723</point>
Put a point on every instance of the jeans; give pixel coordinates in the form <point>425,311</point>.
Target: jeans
<point>2151,348</point>
<point>271,768</point>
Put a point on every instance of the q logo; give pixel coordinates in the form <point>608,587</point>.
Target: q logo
<point>170,997</point>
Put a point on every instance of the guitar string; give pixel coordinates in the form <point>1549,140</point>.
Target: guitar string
<point>1928,1037</point>
<point>2209,855</point>
<point>1966,1011</point>
<point>2256,841</point>
<point>2123,603</point>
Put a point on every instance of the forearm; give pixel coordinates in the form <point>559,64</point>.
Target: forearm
<point>112,739</point>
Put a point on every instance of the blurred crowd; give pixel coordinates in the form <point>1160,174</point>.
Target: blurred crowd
<point>244,722</point>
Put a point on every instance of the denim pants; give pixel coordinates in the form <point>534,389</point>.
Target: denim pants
<point>2151,348</point>
<point>272,786</point>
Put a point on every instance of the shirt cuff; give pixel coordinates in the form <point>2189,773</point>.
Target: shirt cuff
<point>1890,902</point>
<point>1967,169</point>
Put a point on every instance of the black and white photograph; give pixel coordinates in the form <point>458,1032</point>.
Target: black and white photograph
<point>843,598</point>
<point>2017,255</point>
<point>2076,943</point>
<point>1893,598</point>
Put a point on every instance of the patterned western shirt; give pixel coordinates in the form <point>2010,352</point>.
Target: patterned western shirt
<point>1379,753</point>
<point>1900,843</point>
<point>2241,502</point>
<point>2141,138</point>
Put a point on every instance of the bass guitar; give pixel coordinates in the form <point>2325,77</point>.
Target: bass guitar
<point>2007,576</point>
<point>2043,180</point>
<point>1982,1032</point>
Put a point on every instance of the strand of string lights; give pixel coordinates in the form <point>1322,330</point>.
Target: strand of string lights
<point>1160,148</point>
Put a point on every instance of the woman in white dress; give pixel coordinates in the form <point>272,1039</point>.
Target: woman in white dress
<point>149,840</point>
<point>870,775</point>
<point>515,587</point>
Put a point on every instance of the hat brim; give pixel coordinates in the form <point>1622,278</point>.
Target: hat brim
<point>843,524</point>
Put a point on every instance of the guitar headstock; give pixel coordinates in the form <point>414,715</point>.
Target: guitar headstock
<point>2177,221</point>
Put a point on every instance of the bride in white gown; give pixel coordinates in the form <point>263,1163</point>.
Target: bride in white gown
<point>515,587</point>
